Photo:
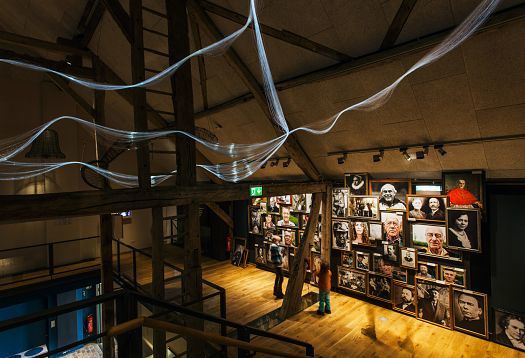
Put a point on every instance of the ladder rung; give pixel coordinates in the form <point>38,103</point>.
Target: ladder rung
<point>158,92</point>
<point>155,32</point>
<point>163,151</point>
<point>160,112</point>
<point>156,52</point>
<point>154,12</point>
<point>151,70</point>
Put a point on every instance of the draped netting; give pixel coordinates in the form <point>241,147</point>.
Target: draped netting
<point>247,158</point>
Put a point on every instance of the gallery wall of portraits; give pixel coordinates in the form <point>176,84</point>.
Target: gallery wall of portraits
<point>286,217</point>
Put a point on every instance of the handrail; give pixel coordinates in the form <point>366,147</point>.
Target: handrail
<point>186,331</point>
<point>49,243</point>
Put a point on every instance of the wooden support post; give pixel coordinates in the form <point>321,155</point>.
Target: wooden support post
<point>326,237</point>
<point>225,217</point>
<point>292,298</point>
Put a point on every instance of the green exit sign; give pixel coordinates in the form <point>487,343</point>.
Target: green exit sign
<point>256,191</point>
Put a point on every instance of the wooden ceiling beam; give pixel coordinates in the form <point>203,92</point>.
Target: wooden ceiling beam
<point>121,17</point>
<point>16,208</point>
<point>26,41</point>
<point>283,35</point>
<point>397,24</point>
<point>293,147</point>
<point>91,18</point>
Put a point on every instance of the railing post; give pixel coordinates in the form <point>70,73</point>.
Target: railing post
<point>243,334</point>
<point>222,303</point>
<point>309,350</point>
<point>129,343</point>
<point>51,259</point>
<point>135,268</point>
<point>118,258</point>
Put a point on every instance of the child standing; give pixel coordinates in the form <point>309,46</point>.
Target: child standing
<point>325,285</point>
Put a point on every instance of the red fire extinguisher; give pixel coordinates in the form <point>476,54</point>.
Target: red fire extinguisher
<point>228,243</point>
<point>90,325</point>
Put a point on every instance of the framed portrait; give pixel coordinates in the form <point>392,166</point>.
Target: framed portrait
<point>362,206</point>
<point>400,274</point>
<point>426,207</point>
<point>315,267</point>
<point>408,257</point>
<point>360,233</point>
<point>351,279</point>
<point>347,259</point>
<point>259,201</point>
<point>404,298</point>
<point>357,184</point>
<point>470,312</point>
<point>268,221</point>
<point>465,189</point>
<point>340,235</point>
<point>316,244</point>
<point>285,252</point>
<point>299,202</point>
<point>239,246</point>
<point>430,237</point>
<point>390,251</point>
<point>464,229</point>
<point>288,236</point>
<point>379,287</point>
<point>393,227</point>
<point>339,202</point>
<point>427,270</point>
<point>287,218</point>
<point>379,265</point>
<point>254,221</point>
<point>375,231</point>
<point>509,329</point>
<point>453,276</point>
<point>267,253</point>
<point>433,302</point>
<point>272,206</point>
<point>268,233</point>
<point>284,200</point>
<point>260,255</point>
<point>362,260</point>
<point>391,192</point>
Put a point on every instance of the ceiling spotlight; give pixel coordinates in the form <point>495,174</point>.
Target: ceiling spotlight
<point>264,165</point>
<point>287,163</point>
<point>439,148</point>
<point>341,160</point>
<point>275,162</point>
<point>420,154</point>
<point>403,151</point>
<point>379,157</point>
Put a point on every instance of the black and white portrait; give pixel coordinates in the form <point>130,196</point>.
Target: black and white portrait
<point>380,287</point>
<point>392,227</point>
<point>260,256</point>
<point>299,202</point>
<point>470,312</point>
<point>255,224</point>
<point>453,275</point>
<point>376,231</point>
<point>464,229</point>
<point>390,251</point>
<point>400,274</point>
<point>392,193</point>
<point>509,329</point>
<point>363,207</point>
<point>408,257</point>
<point>272,206</point>
<point>404,299</point>
<point>362,260</point>
<point>428,270</point>
<point>433,302</point>
<point>340,235</point>
<point>426,207</point>
<point>357,183</point>
<point>347,259</point>
<point>430,237</point>
<point>339,202</point>
<point>351,279</point>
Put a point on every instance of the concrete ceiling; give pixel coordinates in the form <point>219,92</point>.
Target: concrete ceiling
<point>478,90</point>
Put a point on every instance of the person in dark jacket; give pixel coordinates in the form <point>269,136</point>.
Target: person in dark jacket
<point>277,262</point>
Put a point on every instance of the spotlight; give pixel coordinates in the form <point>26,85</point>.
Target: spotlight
<point>275,162</point>
<point>379,157</point>
<point>341,160</point>
<point>287,163</point>
<point>264,165</point>
<point>403,151</point>
<point>439,148</point>
<point>420,154</point>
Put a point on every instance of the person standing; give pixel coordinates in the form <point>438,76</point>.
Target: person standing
<point>277,262</point>
<point>325,285</point>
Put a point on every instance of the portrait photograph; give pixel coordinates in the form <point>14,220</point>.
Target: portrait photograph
<point>260,255</point>
<point>268,233</point>
<point>363,207</point>
<point>464,189</point>
<point>316,245</point>
<point>426,207</point>
<point>267,252</point>
<point>340,235</point>
<point>315,267</point>
<point>390,251</point>
<point>470,312</point>
<point>254,221</point>
<point>239,245</point>
<point>288,236</point>
<point>433,303</point>
<point>272,206</point>
<point>453,275</point>
<point>391,192</point>
<point>509,329</point>
<point>299,202</point>
<point>309,204</point>
<point>431,238</point>
<point>393,227</point>
<point>352,280</point>
<point>464,229</point>
<point>357,184</point>
<point>284,252</point>
<point>284,200</point>
<point>379,287</point>
<point>347,259</point>
<point>408,257</point>
<point>400,274</point>
<point>362,260</point>
<point>404,298</point>
<point>269,221</point>
<point>259,201</point>
<point>287,217</point>
<point>376,231</point>
<point>339,202</point>
<point>360,233</point>
<point>428,270</point>
<point>379,265</point>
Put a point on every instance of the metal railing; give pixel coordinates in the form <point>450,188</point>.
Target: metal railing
<point>32,262</point>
